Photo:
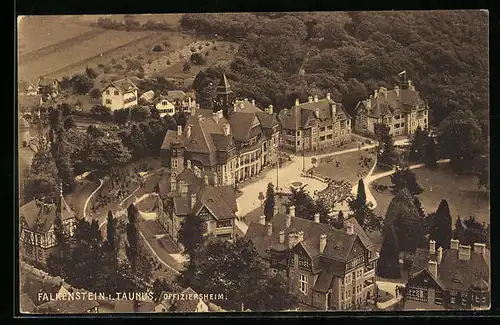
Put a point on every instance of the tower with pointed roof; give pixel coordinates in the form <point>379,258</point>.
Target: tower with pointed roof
<point>224,97</point>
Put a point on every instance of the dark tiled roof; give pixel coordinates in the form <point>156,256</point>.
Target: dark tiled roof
<point>188,176</point>
<point>241,125</point>
<point>175,95</point>
<point>123,85</point>
<point>40,217</point>
<point>220,200</point>
<point>453,273</point>
<point>480,285</point>
<point>324,281</point>
<point>383,105</point>
<point>69,306</point>
<point>338,243</point>
<point>182,205</point>
<point>148,95</point>
<point>223,86</point>
<point>26,305</point>
<point>170,137</point>
<point>267,120</point>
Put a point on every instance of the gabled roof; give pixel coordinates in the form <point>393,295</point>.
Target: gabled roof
<point>124,85</point>
<point>388,102</point>
<point>223,86</point>
<point>241,125</point>
<point>148,95</point>
<point>170,137</point>
<point>40,217</point>
<point>219,200</point>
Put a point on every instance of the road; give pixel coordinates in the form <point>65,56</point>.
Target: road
<point>89,198</point>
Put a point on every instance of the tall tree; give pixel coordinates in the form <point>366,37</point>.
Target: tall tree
<point>269,202</point>
<point>191,233</point>
<point>482,170</point>
<point>405,178</point>
<point>41,180</point>
<point>110,230</point>
<point>459,228</point>
<point>441,230</point>
<point>417,145</point>
<point>386,154</point>
<point>359,206</point>
<point>474,232</point>
<point>430,155</point>
<point>132,235</point>
<point>388,263</point>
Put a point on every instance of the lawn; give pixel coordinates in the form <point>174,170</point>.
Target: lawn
<point>461,192</point>
<point>350,166</point>
<point>384,296</point>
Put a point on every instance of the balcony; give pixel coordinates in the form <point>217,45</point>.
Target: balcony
<point>370,273</point>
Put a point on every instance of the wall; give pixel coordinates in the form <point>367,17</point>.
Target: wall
<point>116,100</point>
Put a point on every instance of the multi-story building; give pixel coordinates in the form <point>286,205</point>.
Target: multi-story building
<point>37,219</point>
<point>235,141</point>
<point>402,109</point>
<point>176,101</point>
<point>455,278</point>
<point>327,268</point>
<point>314,125</point>
<point>120,94</point>
<point>192,192</point>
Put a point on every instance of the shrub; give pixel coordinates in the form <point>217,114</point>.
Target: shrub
<point>166,44</point>
<point>215,48</point>
<point>193,49</point>
<point>206,53</point>
<point>231,47</point>
<point>186,67</point>
<point>197,58</point>
<point>207,44</point>
<point>168,62</point>
<point>157,48</point>
<point>200,47</point>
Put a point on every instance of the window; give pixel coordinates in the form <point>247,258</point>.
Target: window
<point>116,93</point>
<point>464,301</point>
<point>108,101</point>
<point>298,143</point>
<point>330,127</point>
<point>174,163</point>
<point>484,300</point>
<point>298,133</point>
<point>402,125</point>
<point>224,223</point>
<point>425,121</point>
<point>452,300</point>
<point>322,138</point>
<point>303,283</point>
<point>108,92</point>
<point>322,129</point>
<point>329,136</point>
<point>477,299</point>
<point>396,125</point>
<point>348,279</point>
<point>342,296</point>
<point>438,298</point>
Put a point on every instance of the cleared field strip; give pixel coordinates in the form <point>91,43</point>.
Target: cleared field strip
<point>59,46</point>
<point>64,60</point>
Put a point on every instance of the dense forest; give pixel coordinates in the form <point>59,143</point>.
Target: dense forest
<point>349,54</point>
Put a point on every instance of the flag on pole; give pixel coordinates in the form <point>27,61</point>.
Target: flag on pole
<point>402,72</point>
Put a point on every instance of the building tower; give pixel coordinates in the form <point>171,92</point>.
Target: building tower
<point>480,295</point>
<point>224,97</point>
<point>177,156</point>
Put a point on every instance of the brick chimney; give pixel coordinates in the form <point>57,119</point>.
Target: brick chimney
<point>349,228</point>
<point>292,210</point>
<point>480,248</point>
<point>464,252</point>
<point>269,228</point>
<point>188,131</point>
<point>179,130</point>
<point>242,104</point>
<point>432,246</point>
<point>227,129</point>
<point>262,220</point>
<point>410,86</point>
<point>300,236</point>
<point>433,269</point>
<point>316,217</point>
<point>322,243</point>
<point>334,110</point>
<point>310,99</point>
<point>253,102</point>
<point>270,109</point>
<point>396,90</point>
<point>297,102</point>
<point>292,239</point>
<point>454,244</point>
<point>281,237</point>
<point>375,93</point>
<point>316,99</point>
<point>188,163</point>
<point>193,200</point>
<point>215,116</point>
<point>439,255</point>
<point>288,220</point>
<point>206,180</point>
<point>328,96</point>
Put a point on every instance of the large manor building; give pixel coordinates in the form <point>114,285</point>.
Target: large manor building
<point>234,141</point>
<point>402,109</point>
<point>314,125</point>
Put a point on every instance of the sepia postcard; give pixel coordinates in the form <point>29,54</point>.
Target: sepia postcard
<point>254,162</point>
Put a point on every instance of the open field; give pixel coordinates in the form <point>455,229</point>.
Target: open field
<point>350,165</point>
<point>461,192</point>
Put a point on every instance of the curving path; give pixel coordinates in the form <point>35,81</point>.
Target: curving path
<point>90,197</point>
<point>369,178</point>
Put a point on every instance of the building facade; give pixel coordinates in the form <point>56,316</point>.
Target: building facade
<point>120,94</point>
<point>37,237</point>
<point>455,278</point>
<point>314,125</point>
<point>402,109</point>
<point>327,268</point>
<point>235,141</point>
<point>190,192</point>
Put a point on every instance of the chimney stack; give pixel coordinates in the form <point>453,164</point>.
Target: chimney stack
<point>194,109</point>
<point>227,129</point>
<point>454,244</point>
<point>328,96</point>
<point>179,130</point>
<point>433,269</point>
<point>188,164</point>
<point>310,99</point>
<point>281,237</point>
<point>292,239</point>
<point>292,210</point>
<point>193,200</point>
<point>215,116</point>
<point>464,252</point>
<point>349,228</point>
<point>439,255</point>
<point>316,99</point>
<point>432,246</point>
<point>269,227</point>
<point>316,111</point>
<point>410,85</point>
<point>189,101</point>
<point>270,109</point>
<point>242,105</point>
<point>262,220</point>
<point>216,179</point>
<point>316,217</point>
<point>288,220</point>
<point>300,236</point>
<point>206,180</point>
<point>322,243</point>
<point>396,90</point>
<point>188,131</point>
<point>297,102</point>
<point>375,93</point>
<point>334,110</point>
<point>253,102</point>
<point>480,248</point>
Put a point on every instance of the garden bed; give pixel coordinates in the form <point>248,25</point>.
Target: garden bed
<point>346,167</point>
